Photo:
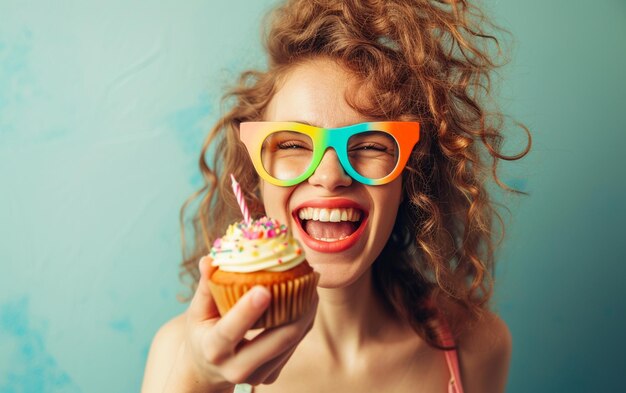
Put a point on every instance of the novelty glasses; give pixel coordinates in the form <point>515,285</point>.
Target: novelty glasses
<point>287,153</point>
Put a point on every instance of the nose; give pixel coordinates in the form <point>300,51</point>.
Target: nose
<point>329,173</point>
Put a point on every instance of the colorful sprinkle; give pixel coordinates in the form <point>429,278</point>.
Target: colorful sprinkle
<point>249,240</point>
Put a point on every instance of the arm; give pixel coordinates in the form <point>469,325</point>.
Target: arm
<point>163,354</point>
<point>485,354</point>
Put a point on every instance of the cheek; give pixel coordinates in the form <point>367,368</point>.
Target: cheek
<point>275,201</point>
<point>387,201</point>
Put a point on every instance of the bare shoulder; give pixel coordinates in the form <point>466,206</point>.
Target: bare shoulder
<point>169,336</point>
<point>163,351</point>
<point>484,355</point>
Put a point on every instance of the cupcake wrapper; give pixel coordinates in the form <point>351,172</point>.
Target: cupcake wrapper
<point>289,301</point>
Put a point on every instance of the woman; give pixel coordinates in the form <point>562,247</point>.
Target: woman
<point>403,304</point>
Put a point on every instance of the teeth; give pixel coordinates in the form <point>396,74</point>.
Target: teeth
<point>329,215</point>
<point>328,239</point>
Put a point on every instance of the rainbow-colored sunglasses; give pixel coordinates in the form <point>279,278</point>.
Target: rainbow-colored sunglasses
<point>287,153</point>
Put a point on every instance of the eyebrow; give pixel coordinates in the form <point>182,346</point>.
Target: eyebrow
<point>315,125</point>
<point>302,122</point>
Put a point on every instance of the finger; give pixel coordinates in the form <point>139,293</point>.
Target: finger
<point>268,345</point>
<point>270,379</point>
<point>202,305</point>
<point>253,374</point>
<point>269,372</point>
<point>230,330</point>
<point>273,342</point>
<point>273,375</point>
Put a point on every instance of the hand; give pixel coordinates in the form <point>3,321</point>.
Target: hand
<point>215,350</point>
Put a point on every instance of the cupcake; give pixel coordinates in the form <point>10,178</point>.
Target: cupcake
<point>262,252</point>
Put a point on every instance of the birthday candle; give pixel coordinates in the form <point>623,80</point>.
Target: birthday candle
<point>240,200</point>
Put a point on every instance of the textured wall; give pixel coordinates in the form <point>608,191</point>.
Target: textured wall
<point>563,267</point>
<point>103,106</point>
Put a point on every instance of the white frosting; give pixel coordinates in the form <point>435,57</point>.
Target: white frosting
<point>263,244</point>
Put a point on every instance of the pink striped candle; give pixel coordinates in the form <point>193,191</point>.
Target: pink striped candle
<point>240,200</point>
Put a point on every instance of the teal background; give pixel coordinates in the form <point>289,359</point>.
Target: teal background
<point>103,107</point>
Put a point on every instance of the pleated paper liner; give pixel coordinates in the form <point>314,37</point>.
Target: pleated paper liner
<point>290,299</point>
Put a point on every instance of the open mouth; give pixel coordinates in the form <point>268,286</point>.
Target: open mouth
<point>329,225</point>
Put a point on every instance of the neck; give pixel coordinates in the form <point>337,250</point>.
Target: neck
<point>348,318</point>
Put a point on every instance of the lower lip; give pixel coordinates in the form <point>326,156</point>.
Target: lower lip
<point>331,247</point>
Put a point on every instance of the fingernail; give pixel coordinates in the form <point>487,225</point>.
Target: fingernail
<point>260,297</point>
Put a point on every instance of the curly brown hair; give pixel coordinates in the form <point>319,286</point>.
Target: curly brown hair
<point>423,60</point>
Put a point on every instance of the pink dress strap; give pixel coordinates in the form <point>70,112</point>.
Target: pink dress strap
<point>452,359</point>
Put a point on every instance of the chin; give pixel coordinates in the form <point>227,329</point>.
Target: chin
<point>337,275</point>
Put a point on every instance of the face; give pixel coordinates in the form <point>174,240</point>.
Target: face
<point>342,224</point>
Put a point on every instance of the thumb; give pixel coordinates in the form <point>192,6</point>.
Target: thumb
<point>202,305</point>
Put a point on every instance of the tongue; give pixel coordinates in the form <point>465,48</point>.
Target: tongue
<point>328,230</point>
